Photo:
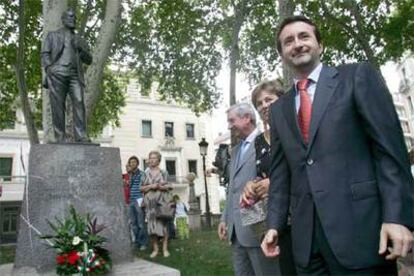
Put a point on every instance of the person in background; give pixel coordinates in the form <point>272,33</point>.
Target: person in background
<point>136,213</point>
<point>181,218</point>
<point>248,259</point>
<point>263,95</point>
<point>125,182</point>
<point>157,192</point>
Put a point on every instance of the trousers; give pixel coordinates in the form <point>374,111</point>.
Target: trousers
<point>63,81</point>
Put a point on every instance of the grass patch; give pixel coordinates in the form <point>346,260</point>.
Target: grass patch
<point>7,253</point>
<point>202,254</point>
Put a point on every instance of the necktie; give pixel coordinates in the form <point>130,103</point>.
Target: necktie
<point>305,109</point>
<point>243,148</point>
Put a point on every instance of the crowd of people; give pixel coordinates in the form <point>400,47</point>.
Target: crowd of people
<point>154,213</point>
<point>327,188</point>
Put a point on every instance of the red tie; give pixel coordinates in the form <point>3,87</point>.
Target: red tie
<point>305,109</point>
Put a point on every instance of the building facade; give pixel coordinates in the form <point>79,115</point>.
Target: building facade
<point>404,99</point>
<point>146,124</point>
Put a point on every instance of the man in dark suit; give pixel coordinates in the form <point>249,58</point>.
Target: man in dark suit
<point>339,162</point>
<point>248,259</point>
<point>63,52</point>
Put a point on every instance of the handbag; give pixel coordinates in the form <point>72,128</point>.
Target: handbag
<point>164,210</point>
<point>255,217</point>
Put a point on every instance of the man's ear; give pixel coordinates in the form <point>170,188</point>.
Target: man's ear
<point>321,48</point>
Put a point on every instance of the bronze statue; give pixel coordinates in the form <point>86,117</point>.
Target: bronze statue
<point>63,53</point>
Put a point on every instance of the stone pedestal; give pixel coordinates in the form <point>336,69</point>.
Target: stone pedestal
<point>85,176</point>
<point>194,218</point>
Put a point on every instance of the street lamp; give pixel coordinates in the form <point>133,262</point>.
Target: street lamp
<point>203,151</point>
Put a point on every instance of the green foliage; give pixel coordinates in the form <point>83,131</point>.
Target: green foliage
<point>398,32</point>
<point>174,44</point>
<point>258,55</point>
<point>355,30</point>
<point>9,100</point>
<point>108,107</point>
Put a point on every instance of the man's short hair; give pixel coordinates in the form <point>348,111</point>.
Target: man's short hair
<point>243,109</point>
<point>293,19</point>
<point>133,157</point>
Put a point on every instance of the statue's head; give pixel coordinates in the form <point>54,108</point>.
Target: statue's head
<point>69,18</point>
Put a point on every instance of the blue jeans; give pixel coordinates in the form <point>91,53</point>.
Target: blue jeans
<point>136,215</point>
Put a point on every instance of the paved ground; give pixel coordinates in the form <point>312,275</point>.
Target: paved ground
<point>138,267</point>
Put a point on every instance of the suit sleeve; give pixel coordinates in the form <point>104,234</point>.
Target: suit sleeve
<point>47,51</point>
<point>374,104</point>
<point>278,203</point>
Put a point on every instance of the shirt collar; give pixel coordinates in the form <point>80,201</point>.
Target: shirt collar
<point>249,139</point>
<point>313,76</point>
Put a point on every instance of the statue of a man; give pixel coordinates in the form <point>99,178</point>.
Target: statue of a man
<point>63,53</point>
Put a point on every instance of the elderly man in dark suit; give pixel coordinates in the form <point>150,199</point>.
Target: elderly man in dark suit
<point>339,162</point>
<point>248,259</point>
<point>63,52</point>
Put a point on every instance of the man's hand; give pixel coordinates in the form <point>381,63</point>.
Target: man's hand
<point>269,244</point>
<point>401,238</point>
<point>222,230</point>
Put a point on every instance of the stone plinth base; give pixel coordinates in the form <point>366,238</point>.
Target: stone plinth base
<point>194,220</point>
<point>87,177</point>
<point>136,267</point>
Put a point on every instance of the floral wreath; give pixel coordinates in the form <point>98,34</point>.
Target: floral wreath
<point>78,245</point>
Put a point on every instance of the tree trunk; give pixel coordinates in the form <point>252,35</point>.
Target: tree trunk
<point>285,9</point>
<point>240,13</point>
<point>21,80</point>
<point>52,12</point>
<point>100,53</point>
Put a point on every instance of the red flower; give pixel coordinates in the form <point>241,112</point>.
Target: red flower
<point>73,257</point>
<point>61,259</point>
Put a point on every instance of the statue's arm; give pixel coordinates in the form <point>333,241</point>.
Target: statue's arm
<point>46,52</point>
<point>84,52</point>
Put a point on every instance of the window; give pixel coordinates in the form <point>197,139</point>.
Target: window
<point>146,128</point>
<point>6,165</point>
<point>189,128</point>
<point>9,220</point>
<point>192,166</point>
<point>169,129</point>
<point>170,166</point>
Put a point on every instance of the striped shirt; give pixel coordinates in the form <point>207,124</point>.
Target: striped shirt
<point>135,180</point>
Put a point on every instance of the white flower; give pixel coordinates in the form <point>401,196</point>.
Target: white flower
<point>76,240</point>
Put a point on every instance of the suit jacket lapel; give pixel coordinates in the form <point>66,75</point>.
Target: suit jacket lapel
<point>325,88</point>
<point>291,115</point>
<point>246,157</point>
<point>233,160</point>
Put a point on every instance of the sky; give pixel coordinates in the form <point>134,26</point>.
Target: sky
<point>389,71</point>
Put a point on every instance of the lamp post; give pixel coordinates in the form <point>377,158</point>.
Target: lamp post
<point>203,151</point>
